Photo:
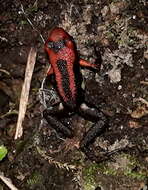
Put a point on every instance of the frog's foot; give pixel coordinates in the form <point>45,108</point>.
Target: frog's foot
<point>95,131</point>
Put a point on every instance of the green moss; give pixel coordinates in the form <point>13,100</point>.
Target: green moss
<point>34,179</point>
<point>114,1</point>
<point>23,22</point>
<point>110,171</point>
<point>91,171</point>
<point>130,170</point>
<point>89,176</point>
<point>110,35</point>
<point>136,175</point>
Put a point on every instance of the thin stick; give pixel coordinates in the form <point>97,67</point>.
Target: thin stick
<point>144,82</point>
<point>29,21</point>
<point>7,181</point>
<point>25,92</point>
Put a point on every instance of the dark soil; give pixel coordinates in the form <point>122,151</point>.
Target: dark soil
<point>43,159</point>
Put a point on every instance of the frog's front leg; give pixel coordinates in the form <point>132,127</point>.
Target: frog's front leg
<point>96,130</point>
<point>50,114</point>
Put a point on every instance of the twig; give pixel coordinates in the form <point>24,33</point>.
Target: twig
<point>42,94</point>
<point>10,112</point>
<point>4,71</point>
<point>22,8</point>
<point>25,92</point>
<point>144,82</point>
<point>7,181</point>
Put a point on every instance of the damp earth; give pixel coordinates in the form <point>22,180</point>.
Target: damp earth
<point>42,159</point>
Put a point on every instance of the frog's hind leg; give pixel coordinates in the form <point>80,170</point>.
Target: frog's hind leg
<point>96,130</point>
<point>51,115</point>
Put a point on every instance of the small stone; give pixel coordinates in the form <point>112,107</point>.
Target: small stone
<point>119,87</point>
<point>134,16</point>
<point>115,75</point>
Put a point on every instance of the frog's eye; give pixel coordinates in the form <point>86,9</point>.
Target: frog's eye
<point>71,38</point>
<point>69,42</point>
<point>50,44</point>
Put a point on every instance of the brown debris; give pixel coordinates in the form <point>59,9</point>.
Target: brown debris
<point>139,112</point>
<point>134,124</point>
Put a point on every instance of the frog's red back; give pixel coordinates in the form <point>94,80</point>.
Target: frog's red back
<point>62,56</point>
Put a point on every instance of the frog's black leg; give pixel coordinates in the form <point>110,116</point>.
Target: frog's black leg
<point>96,130</point>
<point>91,113</point>
<point>51,114</point>
<point>58,126</point>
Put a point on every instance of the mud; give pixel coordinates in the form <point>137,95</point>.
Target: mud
<point>43,159</point>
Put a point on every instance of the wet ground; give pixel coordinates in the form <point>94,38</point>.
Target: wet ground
<point>43,159</point>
